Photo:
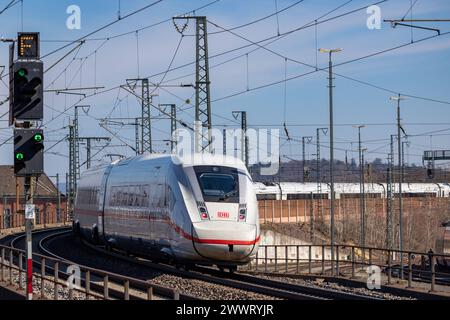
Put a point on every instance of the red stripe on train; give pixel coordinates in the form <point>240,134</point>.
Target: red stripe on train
<point>185,234</point>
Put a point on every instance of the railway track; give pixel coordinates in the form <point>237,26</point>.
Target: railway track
<point>257,285</point>
<point>44,241</point>
<point>97,287</point>
<point>167,269</point>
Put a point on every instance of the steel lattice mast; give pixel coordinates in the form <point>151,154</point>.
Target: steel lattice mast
<point>146,126</point>
<point>202,90</point>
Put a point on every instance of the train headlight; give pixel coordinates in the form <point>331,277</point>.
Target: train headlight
<point>242,214</point>
<point>203,213</point>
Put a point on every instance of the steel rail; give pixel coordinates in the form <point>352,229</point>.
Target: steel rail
<point>157,289</point>
<point>96,290</point>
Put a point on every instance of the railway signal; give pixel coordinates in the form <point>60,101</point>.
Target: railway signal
<point>26,78</point>
<point>27,93</point>
<point>28,152</point>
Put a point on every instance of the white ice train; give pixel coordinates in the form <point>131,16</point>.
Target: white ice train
<point>203,212</point>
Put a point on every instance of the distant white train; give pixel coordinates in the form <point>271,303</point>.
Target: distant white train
<point>308,190</point>
<point>204,212</point>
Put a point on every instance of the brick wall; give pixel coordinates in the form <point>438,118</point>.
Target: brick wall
<point>301,210</point>
<point>46,212</point>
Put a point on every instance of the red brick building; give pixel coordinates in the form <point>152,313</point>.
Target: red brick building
<point>46,199</point>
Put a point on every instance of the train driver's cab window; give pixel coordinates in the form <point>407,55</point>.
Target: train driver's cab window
<point>218,183</point>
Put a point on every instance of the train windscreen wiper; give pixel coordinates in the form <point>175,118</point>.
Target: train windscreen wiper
<point>228,194</point>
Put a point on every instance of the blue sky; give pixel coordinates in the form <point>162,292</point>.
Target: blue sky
<point>420,69</point>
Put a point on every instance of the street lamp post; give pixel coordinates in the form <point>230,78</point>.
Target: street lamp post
<point>400,204</point>
<point>330,87</point>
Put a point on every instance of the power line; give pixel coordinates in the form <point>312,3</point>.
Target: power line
<point>103,27</point>
<point>170,64</point>
<point>258,20</point>
<point>139,29</point>
<point>257,43</point>
<point>274,38</point>
<point>409,9</point>
<point>10,5</point>
<point>339,64</point>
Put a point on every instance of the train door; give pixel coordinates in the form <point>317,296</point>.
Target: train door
<point>101,198</point>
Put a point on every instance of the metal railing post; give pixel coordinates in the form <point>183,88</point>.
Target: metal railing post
<point>276,259</point>
<point>150,293</point>
<point>10,267</point>
<point>20,270</point>
<point>353,262</point>
<point>286,259</point>
<point>433,273</point>
<point>256,260</point>
<point>409,270</point>
<point>265,259</point>
<point>55,281</point>
<point>42,278</point>
<point>323,259</point>
<point>126,288</point>
<point>2,276</point>
<point>105,287</point>
<point>310,259</point>
<point>87,283</point>
<point>298,258</point>
<point>389,267</point>
<point>337,260</point>
<point>370,256</point>
<point>363,257</point>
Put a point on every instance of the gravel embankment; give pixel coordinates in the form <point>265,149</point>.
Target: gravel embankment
<point>335,286</point>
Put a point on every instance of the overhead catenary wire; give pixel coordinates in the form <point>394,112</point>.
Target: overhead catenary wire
<point>325,68</point>
<point>170,64</point>
<point>274,38</point>
<point>104,27</point>
<point>11,4</point>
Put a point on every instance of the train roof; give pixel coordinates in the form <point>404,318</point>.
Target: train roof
<point>197,159</point>
<point>186,161</point>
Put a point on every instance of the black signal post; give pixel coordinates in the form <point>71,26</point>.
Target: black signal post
<point>25,111</point>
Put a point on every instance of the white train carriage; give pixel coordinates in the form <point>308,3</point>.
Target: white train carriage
<point>445,189</point>
<point>308,190</point>
<point>203,212</point>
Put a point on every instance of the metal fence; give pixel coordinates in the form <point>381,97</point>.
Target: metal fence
<point>92,284</point>
<point>349,259</point>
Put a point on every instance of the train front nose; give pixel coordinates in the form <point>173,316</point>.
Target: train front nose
<point>225,241</point>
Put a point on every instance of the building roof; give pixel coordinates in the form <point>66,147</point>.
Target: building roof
<point>45,187</point>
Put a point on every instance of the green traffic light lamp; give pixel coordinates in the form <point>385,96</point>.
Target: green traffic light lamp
<point>38,137</point>
<point>22,72</point>
<point>20,156</point>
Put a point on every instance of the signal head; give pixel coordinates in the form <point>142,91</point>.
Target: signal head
<point>19,156</point>
<point>38,137</point>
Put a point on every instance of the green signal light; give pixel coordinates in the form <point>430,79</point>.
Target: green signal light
<point>19,156</point>
<point>22,72</point>
<point>38,137</point>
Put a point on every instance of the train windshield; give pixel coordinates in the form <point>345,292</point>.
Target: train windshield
<point>218,183</point>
